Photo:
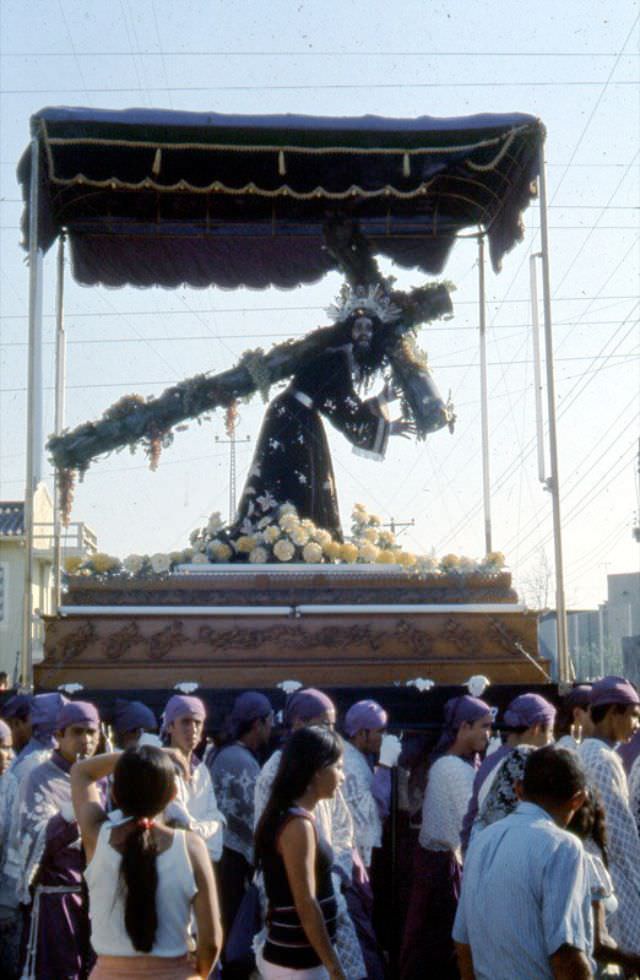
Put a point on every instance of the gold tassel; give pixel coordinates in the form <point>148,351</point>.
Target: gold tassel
<point>157,160</point>
<point>282,164</point>
<point>406,165</point>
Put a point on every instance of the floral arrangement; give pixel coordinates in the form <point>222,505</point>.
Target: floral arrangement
<point>281,536</point>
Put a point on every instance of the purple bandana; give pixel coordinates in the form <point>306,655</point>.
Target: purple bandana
<point>131,715</point>
<point>456,712</point>
<point>579,696</point>
<point>249,706</point>
<point>15,704</point>
<point>306,704</point>
<point>45,711</point>
<point>365,714</point>
<point>613,690</point>
<point>183,706</point>
<point>527,710</point>
<point>78,713</point>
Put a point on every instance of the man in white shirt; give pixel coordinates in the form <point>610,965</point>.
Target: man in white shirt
<point>525,904</point>
<point>194,807</point>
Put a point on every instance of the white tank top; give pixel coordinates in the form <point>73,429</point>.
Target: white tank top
<point>174,894</point>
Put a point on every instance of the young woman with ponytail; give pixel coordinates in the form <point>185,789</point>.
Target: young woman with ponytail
<point>144,878</point>
<point>296,861</point>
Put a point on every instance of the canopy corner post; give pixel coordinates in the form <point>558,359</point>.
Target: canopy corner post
<point>61,371</point>
<point>484,396</point>
<point>34,415</point>
<point>565,671</point>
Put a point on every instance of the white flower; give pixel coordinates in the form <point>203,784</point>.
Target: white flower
<point>271,534</point>
<point>160,562</point>
<point>301,477</point>
<point>275,444</point>
<point>195,536</point>
<point>367,551</point>
<point>246,527</point>
<point>386,538</point>
<point>312,552</point>
<point>71,688</point>
<point>186,687</point>
<point>264,522</point>
<point>321,536</point>
<point>477,685</point>
<point>370,534</point>
<point>289,687</point>
<point>287,509</point>
<point>220,551</point>
<point>258,556</point>
<point>199,559</point>
<point>289,522</point>
<point>254,471</point>
<point>283,550</point>
<point>133,563</point>
<point>421,683</point>
<point>299,536</point>
<point>215,522</point>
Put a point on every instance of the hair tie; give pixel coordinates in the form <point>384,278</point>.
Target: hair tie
<point>145,822</point>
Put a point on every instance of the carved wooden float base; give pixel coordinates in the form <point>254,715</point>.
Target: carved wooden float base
<point>255,628</point>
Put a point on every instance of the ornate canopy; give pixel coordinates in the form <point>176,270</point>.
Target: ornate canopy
<point>153,197</point>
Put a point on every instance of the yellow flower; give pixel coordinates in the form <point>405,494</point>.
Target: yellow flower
<point>283,550</point>
<point>386,539</point>
<point>271,534</point>
<point>405,558</point>
<point>321,536</point>
<point>258,556</point>
<point>375,520</point>
<point>370,534</point>
<point>348,552</point>
<point>103,563</point>
<point>245,543</point>
<point>299,536</point>
<point>72,564</point>
<point>367,552</point>
<point>449,562</point>
<point>287,509</point>
<point>220,551</point>
<point>386,557</point>
<point>333,550</point>
<point>495,558</point>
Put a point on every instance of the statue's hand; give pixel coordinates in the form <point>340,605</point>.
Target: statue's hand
<point>402,427</point>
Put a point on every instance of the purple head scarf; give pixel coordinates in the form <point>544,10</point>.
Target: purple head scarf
<point>77,713</point>
<point>365,714</point>
<point>128,716</point>
<point>45,710</point>
<point>183,706</point>
<point>247,707</point>
<point>5,731</point>
<point>579,696</point>
<point>613,690</point>
<point>457,711</point>
<point>305,704</point>
<point>18,704</point>
<point>527,710</point>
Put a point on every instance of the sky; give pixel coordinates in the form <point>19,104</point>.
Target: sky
<point>576,65</point>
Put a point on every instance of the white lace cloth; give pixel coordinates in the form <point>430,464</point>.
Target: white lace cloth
<point>357,792</point>
<point>234,771</point>
<point>334,822</point>
<point>449,789</point>
<point>605,770</point>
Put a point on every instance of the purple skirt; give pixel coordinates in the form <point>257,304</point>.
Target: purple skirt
<point>427,947</point>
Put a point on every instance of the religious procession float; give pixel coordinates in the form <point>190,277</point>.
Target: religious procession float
<point>169,198</point>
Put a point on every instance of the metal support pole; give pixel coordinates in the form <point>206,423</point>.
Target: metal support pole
<point>553,483</point>
<point>484,399</point>
<point>34,416</point>
<point>61,372</point>
<point>537,364</point>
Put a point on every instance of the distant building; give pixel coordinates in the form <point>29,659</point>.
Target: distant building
<point>596,635</point>
<point>77,539</point>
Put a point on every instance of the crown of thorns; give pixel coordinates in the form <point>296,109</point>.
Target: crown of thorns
<point>372,300</point>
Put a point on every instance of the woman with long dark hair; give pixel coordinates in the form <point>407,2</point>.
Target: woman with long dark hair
<point>296,861</point>
<point>145,879</point>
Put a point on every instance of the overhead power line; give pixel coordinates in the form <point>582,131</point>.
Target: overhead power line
<point>335,86</point>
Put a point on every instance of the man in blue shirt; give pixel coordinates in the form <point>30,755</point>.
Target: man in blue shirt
<point>525,906</point>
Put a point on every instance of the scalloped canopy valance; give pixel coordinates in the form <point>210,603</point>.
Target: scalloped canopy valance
<point>153,197</point>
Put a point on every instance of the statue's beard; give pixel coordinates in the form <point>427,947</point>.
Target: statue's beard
<point>369,358</point>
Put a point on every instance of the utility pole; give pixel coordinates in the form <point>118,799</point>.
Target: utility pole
<point>403,525</point>
<point>231,442</point>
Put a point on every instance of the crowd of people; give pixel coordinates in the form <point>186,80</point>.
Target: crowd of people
<point>146,850</point>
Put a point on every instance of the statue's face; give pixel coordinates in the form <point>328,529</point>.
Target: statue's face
<point>362,333</point>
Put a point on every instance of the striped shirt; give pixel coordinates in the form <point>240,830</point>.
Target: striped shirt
<point>525,893</point>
